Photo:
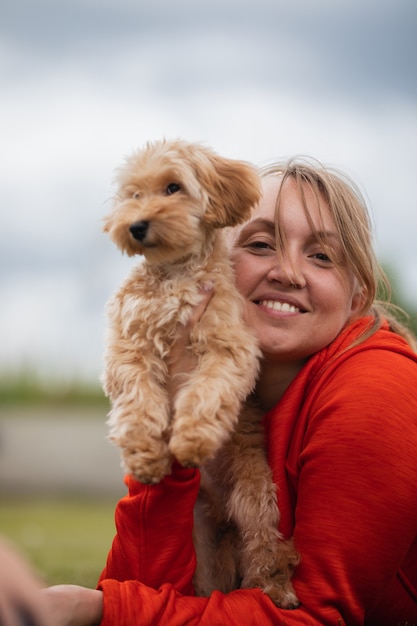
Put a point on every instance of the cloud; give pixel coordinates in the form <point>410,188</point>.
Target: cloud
<point>84,83</point>
<point>337,47</point>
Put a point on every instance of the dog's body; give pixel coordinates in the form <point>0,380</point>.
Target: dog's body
<point>236,519</point>
<point>173,198</point>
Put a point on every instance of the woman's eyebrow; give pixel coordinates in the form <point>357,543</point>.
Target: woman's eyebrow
<point>256,225</point>
<point>259,223</point>
<point>327,236</point>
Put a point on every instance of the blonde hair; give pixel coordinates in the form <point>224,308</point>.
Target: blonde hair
<point>350,214</point>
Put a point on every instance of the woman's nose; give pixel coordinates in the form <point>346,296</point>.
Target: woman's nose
<point>286,271</point>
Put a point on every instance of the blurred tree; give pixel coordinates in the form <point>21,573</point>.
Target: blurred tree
<point>397,297</point>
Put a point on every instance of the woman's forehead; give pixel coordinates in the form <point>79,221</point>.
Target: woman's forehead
<point>291,197</point>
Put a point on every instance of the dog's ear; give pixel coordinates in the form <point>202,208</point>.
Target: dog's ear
<point>233,188</point>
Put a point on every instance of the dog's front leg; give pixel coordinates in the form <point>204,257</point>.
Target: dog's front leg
<point>139,420</point>
<point>206,408</point>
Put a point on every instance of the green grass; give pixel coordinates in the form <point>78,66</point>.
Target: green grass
<point>26,389</point>
<point>65,541</point>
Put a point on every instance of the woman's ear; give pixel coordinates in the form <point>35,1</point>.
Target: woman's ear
<point>358,301</point>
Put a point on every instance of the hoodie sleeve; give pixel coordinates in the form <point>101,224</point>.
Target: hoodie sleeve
<point>154,526</point>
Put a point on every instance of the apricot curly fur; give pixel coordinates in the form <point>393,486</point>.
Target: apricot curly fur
<point>173,200</point>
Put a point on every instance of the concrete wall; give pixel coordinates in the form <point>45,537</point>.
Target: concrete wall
<point>63,452</point>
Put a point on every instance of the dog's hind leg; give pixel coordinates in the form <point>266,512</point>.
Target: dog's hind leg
<point>267,560</point>
<point>216,542</point>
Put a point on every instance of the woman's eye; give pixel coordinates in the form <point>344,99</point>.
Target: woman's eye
<point>172,188</point>
<point>259,245</point>
<point>322,256</point>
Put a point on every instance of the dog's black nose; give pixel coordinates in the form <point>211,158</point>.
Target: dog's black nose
<point>139,230</point>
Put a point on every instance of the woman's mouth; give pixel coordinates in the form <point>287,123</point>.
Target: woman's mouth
<point>275,305</point>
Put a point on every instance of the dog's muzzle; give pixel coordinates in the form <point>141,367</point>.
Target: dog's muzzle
<point>139,229</point>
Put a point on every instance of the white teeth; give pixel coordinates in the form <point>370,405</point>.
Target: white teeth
<point>279,306</point>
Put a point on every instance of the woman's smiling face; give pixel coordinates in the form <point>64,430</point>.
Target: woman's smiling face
<point>297,300</point>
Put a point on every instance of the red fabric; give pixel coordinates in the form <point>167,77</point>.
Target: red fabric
<point>342,444</point>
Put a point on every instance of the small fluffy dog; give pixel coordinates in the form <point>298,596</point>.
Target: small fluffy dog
<point>173,199</point>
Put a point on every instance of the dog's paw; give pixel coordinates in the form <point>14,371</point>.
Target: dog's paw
<point>284,597</point>
<point>272,573</point>
<point>145,470</point>
<point>191,452</point>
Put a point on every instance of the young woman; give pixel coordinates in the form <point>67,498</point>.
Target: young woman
<point>338,387</point>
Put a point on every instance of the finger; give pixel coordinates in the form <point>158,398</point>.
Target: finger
<point>27,619</point>
<point>206,294</point>
<point>10,615</point>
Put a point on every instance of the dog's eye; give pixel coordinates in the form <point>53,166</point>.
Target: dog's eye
<point>136,195</point>
<point>172,188</point>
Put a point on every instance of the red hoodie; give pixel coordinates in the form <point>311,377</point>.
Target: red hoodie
<point>342,444</point>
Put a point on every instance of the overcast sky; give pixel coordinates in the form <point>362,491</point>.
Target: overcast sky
<point>83,82</point>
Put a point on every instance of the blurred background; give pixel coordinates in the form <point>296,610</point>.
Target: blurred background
<point>83,83</point>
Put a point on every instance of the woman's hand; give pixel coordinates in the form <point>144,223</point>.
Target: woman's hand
<point>20,597</point>
<point>182,360</point>
<point>71,605</point>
